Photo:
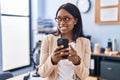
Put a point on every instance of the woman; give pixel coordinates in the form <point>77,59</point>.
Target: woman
<point>76,65</point>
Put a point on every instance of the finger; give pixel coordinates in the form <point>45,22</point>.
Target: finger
<point>56,51</point>
<point>70,58</point>
<point>72,50</point>
<point>71,47</point>
<point>59,48</point>
<point>57,55</point>
<point>64,53</point>
<point>65,50</point>
<point>61,53</point>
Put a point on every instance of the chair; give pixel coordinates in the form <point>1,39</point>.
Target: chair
<point>5,75</point>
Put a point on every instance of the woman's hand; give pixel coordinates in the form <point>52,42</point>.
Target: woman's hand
<point>58,54</point>
<point>73,56</point>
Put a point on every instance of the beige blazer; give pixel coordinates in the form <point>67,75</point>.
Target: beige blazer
<point>49,71</point>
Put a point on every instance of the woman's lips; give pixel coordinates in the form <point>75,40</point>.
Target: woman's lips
<point>63,28</point>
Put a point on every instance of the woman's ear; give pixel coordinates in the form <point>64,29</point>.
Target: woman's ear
<point>76,20</point>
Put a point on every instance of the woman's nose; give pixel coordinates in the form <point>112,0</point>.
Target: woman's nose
<point>62,22</point>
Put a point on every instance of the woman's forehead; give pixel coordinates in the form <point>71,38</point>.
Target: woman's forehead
<point>63,12</point>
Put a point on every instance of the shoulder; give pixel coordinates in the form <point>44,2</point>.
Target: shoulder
<point>83,40</point>
<point>50,37</point>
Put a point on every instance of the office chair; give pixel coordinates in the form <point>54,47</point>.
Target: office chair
<point>35,60</point>
<point>5,75</point>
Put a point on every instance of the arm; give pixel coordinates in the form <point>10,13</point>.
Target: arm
<point>82,70</point>
<point>46,67</point>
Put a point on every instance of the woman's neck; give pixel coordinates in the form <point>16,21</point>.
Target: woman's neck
<point>68,36</point>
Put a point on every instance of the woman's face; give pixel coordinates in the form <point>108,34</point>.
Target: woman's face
<point>65,21</point>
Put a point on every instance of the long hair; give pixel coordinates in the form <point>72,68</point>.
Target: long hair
<point>74,11</point>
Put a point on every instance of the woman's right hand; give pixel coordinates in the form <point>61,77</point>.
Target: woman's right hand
<point>58,53</point>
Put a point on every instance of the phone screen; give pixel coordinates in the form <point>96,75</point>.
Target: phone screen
<point>63,41</point>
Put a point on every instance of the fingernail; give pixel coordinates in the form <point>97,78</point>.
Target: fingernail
<point>61,53</point>
<point>62,46</point>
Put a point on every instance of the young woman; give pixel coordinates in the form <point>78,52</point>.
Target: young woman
<point>76,65</point>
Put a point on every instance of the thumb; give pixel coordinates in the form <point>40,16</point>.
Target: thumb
<point>72,47</point>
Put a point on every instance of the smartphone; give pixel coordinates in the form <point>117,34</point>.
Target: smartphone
<point>64,42</point>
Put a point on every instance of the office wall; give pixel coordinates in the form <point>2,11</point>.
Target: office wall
<point>99,33</point>
<point>41,8</point>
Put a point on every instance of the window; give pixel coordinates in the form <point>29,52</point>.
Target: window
<point>15,30</point>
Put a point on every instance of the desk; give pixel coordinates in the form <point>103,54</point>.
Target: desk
<point>104,55</point>
<point>19,77</point>
<point>102,64</point>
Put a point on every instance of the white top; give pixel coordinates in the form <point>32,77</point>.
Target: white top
<point>65,68</point>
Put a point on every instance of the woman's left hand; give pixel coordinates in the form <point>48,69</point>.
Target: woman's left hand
<point>73,56</point>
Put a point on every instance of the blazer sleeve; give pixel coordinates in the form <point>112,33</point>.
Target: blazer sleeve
<point>82,70</point>
<point>46,67</point>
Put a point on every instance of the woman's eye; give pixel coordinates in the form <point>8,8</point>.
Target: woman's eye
<point>59,19</point>
<point>66,19</point>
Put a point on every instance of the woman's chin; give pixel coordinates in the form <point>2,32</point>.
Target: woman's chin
<point>63,32</point>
